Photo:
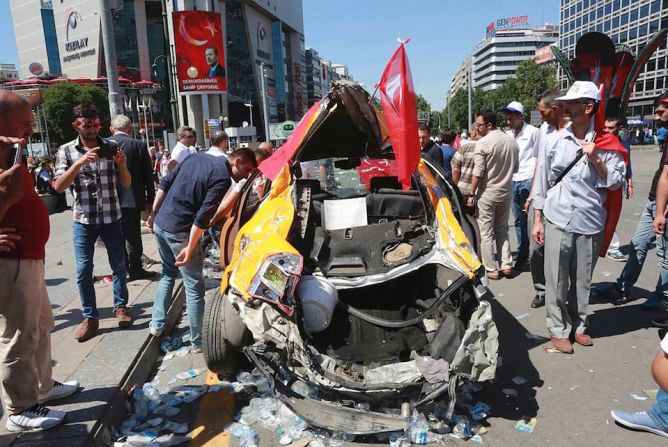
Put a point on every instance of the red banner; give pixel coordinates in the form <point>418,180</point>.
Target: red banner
<point>200,53</point>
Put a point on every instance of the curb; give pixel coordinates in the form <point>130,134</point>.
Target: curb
<point>100,434</point>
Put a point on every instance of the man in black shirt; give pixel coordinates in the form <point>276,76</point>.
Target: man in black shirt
<point>427,146</point>
<point>184,205</point>
<point>644,237</point>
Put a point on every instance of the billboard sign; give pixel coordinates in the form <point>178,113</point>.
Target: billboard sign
<point>200,55</point>
<point>508,22</point>
<point>78,32</point>
<point>544,54</point>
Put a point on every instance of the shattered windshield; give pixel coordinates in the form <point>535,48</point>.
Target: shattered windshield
<point>350,177</point>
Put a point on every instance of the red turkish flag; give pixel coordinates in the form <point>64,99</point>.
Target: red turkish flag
<point>400,113</point>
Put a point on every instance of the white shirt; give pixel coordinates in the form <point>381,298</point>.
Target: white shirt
<point>527,140</point>
<point>180,152</point>
<point>575,204</point>
<point>216,152</point>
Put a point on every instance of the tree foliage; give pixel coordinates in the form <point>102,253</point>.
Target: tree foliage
<point>59,100</point>
<point>528,84</point>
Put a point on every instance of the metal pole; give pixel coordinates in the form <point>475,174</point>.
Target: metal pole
<point>41,130</point>
<point>265,115</point>
<point>46,129</point>
<point>145,123</point>
<point>251,114</point>
<point>168,61</point>
<point>115,100</point>
<point>449,122</point>
<point>150,110</point>
<point>470,88</point>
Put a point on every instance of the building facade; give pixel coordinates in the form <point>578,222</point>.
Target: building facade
<point>497,56</point>
<point>262,38</point>
<point>314,77</point>
<point>8,72</point>
<point>630,23</point>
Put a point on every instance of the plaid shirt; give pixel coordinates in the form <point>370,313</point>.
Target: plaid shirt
<point>94,187</point>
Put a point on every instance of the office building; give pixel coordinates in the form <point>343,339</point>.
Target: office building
<point>497,56</point>
<point>257,33</point>
<point>630,23</point>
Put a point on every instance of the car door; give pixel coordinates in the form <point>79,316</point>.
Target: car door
<point>467,221</point>
<point>244,208</point>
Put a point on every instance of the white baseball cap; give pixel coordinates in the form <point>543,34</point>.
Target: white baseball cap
<point>581,90</point>
<point>514,107</point>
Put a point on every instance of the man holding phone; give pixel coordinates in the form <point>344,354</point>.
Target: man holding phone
<point>91,167</point>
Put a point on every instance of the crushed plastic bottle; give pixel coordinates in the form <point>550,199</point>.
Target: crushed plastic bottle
<point>480,411</point>
<point>140,404</point>
<point>363,406</point>
<point>399,440</point>
<point>170,344</point>
<point>418,428</point>
<point>317,442</point>
<point>247,436</point>
<point>305,390</point>
<point>175,427</point>
<point>339,438</point>
<point>462,428</point>
<point>245,377</point>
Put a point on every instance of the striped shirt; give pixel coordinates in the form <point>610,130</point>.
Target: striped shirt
<point>464,160</point>
<point>94,187</point>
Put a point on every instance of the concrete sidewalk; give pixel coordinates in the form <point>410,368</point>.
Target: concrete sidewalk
<point>107,366</point>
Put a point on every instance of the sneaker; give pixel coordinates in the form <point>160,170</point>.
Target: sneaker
<point>59,391</point>
<point>154,332</point>
<point>86,330</point>
<point>654,303</point>
<point>35,418</point>
<point>538,301</point>
<point>638,421</point>
<point>617,255</point>
<point>661,321</point>
<point>618,297</point>
<point>123,317</point>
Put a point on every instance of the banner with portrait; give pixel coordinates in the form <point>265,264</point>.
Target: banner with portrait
<point>200,56</point>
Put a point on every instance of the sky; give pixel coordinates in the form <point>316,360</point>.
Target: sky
<point>362,34</point>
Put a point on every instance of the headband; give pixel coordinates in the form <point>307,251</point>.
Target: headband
<point>87,121</point>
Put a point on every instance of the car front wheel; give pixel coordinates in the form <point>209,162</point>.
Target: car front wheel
<point>223,336</point>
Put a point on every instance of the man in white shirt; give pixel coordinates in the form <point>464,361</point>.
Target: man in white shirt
<point>572,202</point>
<point>219,142</point>
<point>185,136</point>
<point>527,138</point>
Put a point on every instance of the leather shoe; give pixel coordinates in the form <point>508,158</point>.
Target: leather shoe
<point>86,330</point>
<point>507,272</point>
<point>583,339</point>
<point>538,301</point>
<point>494,276</point>
<point>123,318</point>
<point>562,345</point>
<point>142,274</point>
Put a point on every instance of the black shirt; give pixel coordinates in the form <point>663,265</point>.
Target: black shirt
<point>434,152</point>
<point>194,190</point>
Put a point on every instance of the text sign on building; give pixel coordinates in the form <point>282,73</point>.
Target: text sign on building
<point>508,22</point>
<point>200,56</point>
<point>544,54</point>
<point>78,33</point>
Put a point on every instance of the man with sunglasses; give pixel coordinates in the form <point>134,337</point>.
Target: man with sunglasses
<point>185,137</point>
<point>495,161</point>
<point>91,167</point>
<point>570,190</point>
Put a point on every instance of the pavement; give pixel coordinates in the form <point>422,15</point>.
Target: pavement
<point>569,395</point>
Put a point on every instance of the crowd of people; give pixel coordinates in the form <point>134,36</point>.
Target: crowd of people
<point>561,181</point>
<point>113,183</point>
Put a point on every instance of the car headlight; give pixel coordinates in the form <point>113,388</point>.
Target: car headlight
<point>277,278</point>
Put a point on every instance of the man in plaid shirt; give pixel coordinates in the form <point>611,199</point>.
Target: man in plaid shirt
<point>91,167</point>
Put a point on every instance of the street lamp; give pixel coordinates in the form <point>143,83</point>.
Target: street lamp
<point>250,106</point>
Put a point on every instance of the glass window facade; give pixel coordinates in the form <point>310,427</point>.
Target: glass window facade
<point>50,39</point>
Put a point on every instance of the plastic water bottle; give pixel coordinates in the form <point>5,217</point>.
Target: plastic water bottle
<point>140,404</point>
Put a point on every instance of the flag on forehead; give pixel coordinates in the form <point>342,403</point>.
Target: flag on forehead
<point>397,96</point>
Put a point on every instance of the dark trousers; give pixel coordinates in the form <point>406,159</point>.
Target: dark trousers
<point>131,220</point>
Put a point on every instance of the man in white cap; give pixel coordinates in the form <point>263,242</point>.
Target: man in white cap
<point>570,191</point>
<point>527,138</point>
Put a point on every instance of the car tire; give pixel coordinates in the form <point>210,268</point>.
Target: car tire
<point>223,336</point>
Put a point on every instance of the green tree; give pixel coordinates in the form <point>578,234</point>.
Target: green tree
<point>59,100</point>
<point>458,108</point>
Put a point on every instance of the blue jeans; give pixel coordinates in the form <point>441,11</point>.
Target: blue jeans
<point>659,411</point>
<point>642,239</point>
<point>521,192</point>
<point>169,246</point>
<point>84,237</point>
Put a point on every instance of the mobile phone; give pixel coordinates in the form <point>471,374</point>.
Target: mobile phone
<point>14,155</point>
<point>107,151</point>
